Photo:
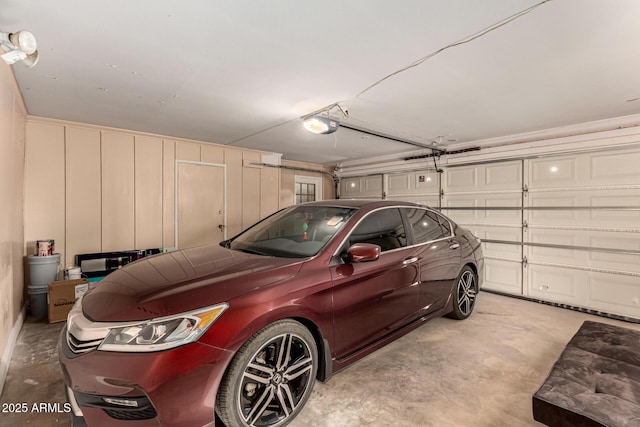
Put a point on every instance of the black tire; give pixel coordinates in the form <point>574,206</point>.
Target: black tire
<point>464,294</point>
<point>270,378</point>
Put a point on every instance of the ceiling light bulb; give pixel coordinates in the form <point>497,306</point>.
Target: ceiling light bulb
<point>22,40</point>
<point>320,125</point>
<point>25,41</point>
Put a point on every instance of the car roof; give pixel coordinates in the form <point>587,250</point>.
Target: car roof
<point>361,203</point>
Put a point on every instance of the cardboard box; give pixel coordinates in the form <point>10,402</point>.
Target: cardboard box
<point>62,295</point>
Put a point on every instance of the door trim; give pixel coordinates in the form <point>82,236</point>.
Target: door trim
<point>177,189</point>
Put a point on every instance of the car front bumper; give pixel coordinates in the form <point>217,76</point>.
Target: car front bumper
<point>172,388</point>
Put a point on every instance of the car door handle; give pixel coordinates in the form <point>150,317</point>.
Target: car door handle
<point>454,245</point>
<point>410,260</point>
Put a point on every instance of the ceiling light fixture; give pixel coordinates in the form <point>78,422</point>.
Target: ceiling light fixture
<point>19,46</point>
<point>320,125</point>
<point>320,122</point>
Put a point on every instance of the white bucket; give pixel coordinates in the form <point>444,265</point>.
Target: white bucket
<point>43,269</point>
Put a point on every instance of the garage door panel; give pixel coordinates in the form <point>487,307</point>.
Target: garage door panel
<point>462,179</point>
<point>498,250</point>
<point>426,182</point>
<point>432,200</point>
<point>585,170</point>
<point>461,215</point>
<point>616,241</point>
<point>399,184</point>
<point>612,293</point>
<point>488,177</point>
<point>555,237</point>
<point>616,217</point>
<point>618,294</point>
<point>503,276</point>
<point>549,173</point>
<point>503,176</point>
<point>495,232</point>
<point>615,167</point>
<point>361,187</point>
<point>598,240</point>
<point>558,284</point>
<point>485,202</point>
<point>420,182</point>
<point>578,210</point>
<point>510,216</point>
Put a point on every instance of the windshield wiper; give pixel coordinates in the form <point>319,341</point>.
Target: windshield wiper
<point>251,251</point>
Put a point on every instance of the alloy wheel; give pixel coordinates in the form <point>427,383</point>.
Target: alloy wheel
<point>466,292</point>
<point>275,380</point>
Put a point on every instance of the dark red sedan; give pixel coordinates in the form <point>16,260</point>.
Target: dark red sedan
<point>240,332</point>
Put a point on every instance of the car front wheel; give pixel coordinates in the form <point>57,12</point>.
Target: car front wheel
<point>270,378</point>
<point>464,294</point>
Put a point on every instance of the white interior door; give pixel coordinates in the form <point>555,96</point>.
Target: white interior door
<point>200,204</point>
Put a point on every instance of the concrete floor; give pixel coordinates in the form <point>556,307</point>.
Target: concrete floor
<point>478,372</point>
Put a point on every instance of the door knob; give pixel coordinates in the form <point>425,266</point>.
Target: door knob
<point>222,227</point>
<point>454,245</point>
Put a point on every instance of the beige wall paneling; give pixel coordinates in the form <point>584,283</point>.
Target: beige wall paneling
<point>13,200</point>
<point>233,160</point>
<point>287,188</point>
<point>189,151</point>
<point>168,193</point>
<point>252,194</point>
<point>83,193</point>
<point>12,140</point>
<point>118,192</point>
<point>44,187</point>
<point>250,188</point>
<point>328,187</point>
<point>269,191</point>
<point>148,192</point>
<point>212,154</point>
<point>200,203</point>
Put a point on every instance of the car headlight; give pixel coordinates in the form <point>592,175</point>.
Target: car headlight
<point>162,333</point>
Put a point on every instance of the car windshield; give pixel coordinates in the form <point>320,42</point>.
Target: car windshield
<point>297,232</point>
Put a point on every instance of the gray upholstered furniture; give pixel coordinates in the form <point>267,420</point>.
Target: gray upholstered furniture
<point>595,382</point>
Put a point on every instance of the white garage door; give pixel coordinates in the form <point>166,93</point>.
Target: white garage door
<point>563,229</point>
<point>588,207</point>
<point>487,199</point>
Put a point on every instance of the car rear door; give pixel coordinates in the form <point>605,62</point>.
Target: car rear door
<point>438,252</point>
<point>371,299</point>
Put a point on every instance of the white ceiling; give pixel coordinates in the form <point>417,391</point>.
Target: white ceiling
<point>242,73</point>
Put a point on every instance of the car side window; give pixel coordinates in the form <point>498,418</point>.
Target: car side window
<point>427,225</point>
<point>383,228</point>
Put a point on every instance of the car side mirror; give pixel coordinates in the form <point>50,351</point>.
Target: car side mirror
<point>363,252</point>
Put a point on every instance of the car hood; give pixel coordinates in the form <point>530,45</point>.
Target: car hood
<point>181,281</point>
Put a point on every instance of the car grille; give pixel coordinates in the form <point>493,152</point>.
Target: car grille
<point>81,347</point>
<point>131,415</point>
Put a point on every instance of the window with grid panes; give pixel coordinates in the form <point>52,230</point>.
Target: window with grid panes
<point>305,192</point>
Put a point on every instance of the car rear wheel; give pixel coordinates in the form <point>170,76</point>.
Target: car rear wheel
<point>270,378</point>
<point>464,294</point>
